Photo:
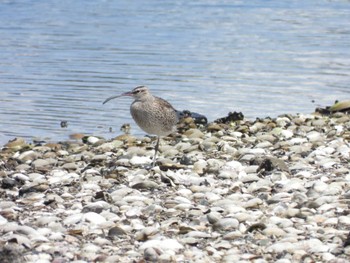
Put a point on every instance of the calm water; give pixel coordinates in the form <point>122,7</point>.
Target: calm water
<point>60,59</point>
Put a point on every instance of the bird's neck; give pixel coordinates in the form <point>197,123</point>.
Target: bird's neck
<point>146,98</point>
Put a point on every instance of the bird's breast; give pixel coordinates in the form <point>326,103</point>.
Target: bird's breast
<point>154,117</point>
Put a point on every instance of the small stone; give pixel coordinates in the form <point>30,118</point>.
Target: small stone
<point>70,166</point>
<point>344,220</point>
<point>194,133</point>
<point>274,231</point>
<point>8,183</point>
<point>226,224</point>
<point>151,254</point>
<point>96,207</point>
<point>99,158</point>
<point>92,140</point>
<point>94,218</point>
<point>146,185</point>
<point>253,203</point>
<point>73,219</point>
<point>213,217</point>
<point>116,231</point>
<point>140,160</point>
<point>213,127</point>
<point>200,166</point>
<point>164,244</point>
<point>28,156</point>
<point>16,144</point>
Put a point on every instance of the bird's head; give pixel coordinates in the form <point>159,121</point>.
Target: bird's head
<point>137,93</point>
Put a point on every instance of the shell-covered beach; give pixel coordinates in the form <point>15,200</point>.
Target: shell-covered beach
<point>264,190</point>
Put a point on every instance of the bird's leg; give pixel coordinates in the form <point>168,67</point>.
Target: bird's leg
<point>155,151</point>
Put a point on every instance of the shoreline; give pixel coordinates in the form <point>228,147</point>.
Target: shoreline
<point>272,189</point>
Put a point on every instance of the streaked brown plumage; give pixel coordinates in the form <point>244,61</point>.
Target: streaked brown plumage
<point>152,114</point>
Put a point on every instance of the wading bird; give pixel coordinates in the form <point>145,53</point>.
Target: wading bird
<point>152,114</point>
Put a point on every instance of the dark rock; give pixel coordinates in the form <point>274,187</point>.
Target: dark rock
<point>146,185</point>
<point>33,188</point>
<point>8,183</point>
<point>338,106</point>
<point>126,127</point>
<point>171,166</point>
<point>152,254</point>
<point>64,124</point>
<point>116,231</point>
<point>269,164</point>
<point>323,111</point>
<point>185,160</point>
<point>347,241</point>
<point>9,253</point>
<point>167,180</point>
<point>103,195</point>
<point>256,227</point>
<point>11,164</point>
<point>198,118</point>
<point>231,117</point>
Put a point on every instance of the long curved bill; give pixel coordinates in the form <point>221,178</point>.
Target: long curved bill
<point>114,97</point>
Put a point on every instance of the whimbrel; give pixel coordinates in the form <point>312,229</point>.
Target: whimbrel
<point>152,114</point>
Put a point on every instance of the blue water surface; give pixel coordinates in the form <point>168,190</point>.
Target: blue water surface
<point>60,59</point>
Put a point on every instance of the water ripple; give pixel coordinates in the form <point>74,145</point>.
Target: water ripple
<point>60,60</point>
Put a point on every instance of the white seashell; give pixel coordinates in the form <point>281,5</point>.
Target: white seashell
<point>19,239</point>
<point>90,186</point>
<point>312,245</point>
<point>233,166</point>
<point>293,184</point>
<point>213,217</point>
<point>163,244</point>
<point>108,146</point>
<point>20,177</point>
<point>93,218</point>
<point>101,242</point>
<point>45,220</point>
<point>253,203</point>
<point>233,235</point>
<point>56,236</point>
<point>139,160</point>
<point>281,247</point>
<point>212,197</point>
<point>319,186</point>
<point>199,166</point>
<point>198,234</point>
<point>345,220</point>
<point>3,220</point>
<point>96,206</point>
<point>287,134</point>
<point>257,151</point>
<point>184,192</point>
<point>280,222</point>
<point>28,155</point>
<point>331,221</point>
<point>226,224</point>
<point>92,139</point>
<point>314,136</point>
<point>265,144</point>
<point>133,212</point>
<point>73,219</point>
<point>151,254</point>
<point>297,141</point>
<point>274,231</point>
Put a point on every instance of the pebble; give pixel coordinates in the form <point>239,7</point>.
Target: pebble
<point>226,224</point>
<point>269,190</point>
<point>164,244</point>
